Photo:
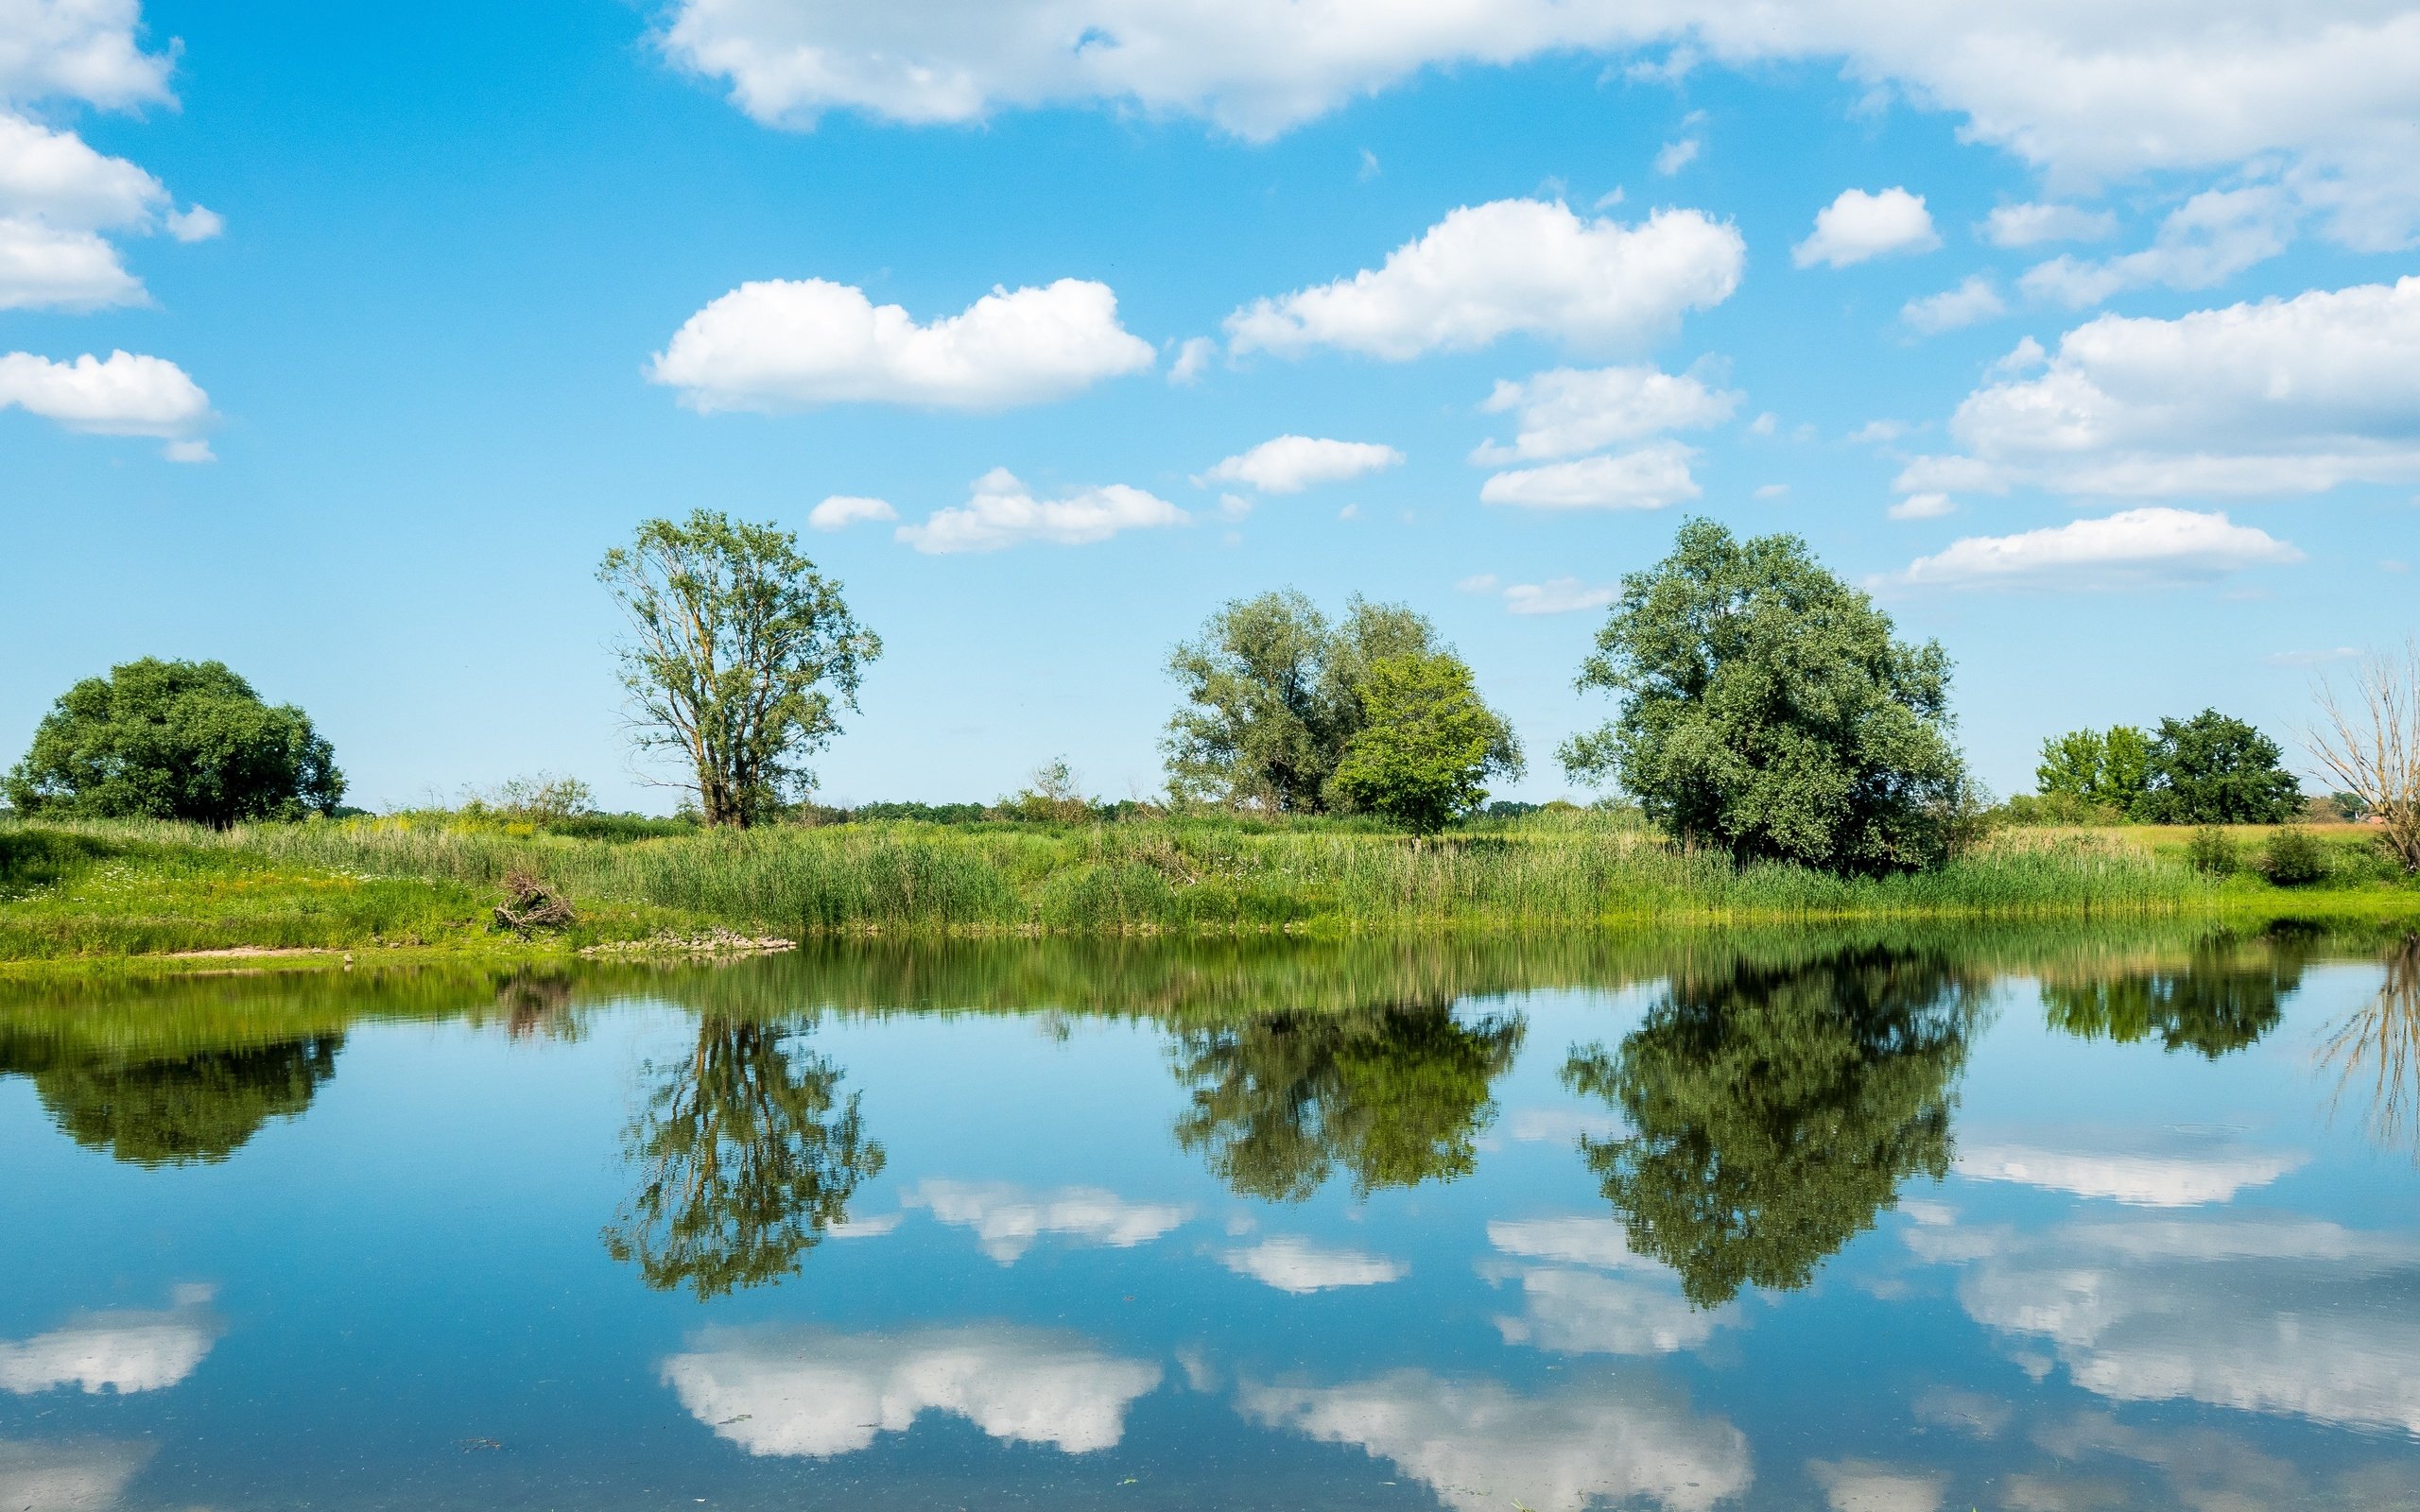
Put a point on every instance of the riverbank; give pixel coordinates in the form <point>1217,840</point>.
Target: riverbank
<point>127,890</point>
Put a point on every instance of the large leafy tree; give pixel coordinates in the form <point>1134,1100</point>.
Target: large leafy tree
<point>198,1108</point>
<point>1769,710</point>
<point>747,1153</point>
<point>2215,769</point>
<point>1395,1095</point>
<point>174,740</point>
<point>1773,1109</point>
<point>2111,767</point>
<point>1425,744</point>
<point>740,657</point>
<point>1274,693</point>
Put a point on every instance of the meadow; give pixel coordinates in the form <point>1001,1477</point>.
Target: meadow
<point>427,881</point>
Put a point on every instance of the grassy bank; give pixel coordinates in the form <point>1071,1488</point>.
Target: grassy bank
<point>114,889</point>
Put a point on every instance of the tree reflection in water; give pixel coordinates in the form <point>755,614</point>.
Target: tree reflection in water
<point>1395,1095</point>
<point>2223,999</point>
<point>1774,1109</point>
<point>745,1154</point>
<point>2377,1050</point>
<point>195,1109</point>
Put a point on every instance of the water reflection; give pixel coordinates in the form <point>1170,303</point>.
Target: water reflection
<point>2227,993</point>
<point>746,1154</point>
<point>1395,1095</point>
<point>1584,1291</point>
<point>2376,1053</point>
<point>818,1393</point>
<point>71,1477</point>
<point>1774,1108</point>
<point>125,1350</point>
<point>180,1110</point>
<point>1007,1218</point>
<point>1297,1265</point>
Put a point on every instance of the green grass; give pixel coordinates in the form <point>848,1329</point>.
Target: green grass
<point>115,889</point>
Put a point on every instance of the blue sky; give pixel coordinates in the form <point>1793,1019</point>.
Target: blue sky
<point>449,327</point>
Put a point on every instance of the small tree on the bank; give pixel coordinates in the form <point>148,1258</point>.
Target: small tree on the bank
<point>2109,769</point>
<point>174,740</point>
<point>1427,745</point>
<point>2214,770</point>
<point>1767,709</point>
<point>2370,742</point>
<point>740,657</point>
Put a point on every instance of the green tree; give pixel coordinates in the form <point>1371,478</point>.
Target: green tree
<point>1773,1109</point>
<point>2226,995</point>
<point>2213,769</point>
<point>1766,710</point>
<point>2109,769</point>
<point>174,740</point>
<point>1273,694</point>
<point>1427,745</point>
<point>196,1109</point>
<point>747,1154</point>
<point>1395,1095</point>
<point>740,657</point>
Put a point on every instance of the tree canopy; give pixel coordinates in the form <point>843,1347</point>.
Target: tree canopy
<point>1425,744</point>
<point>2222,999</point>
<point>197,1110</point>
<point>1275,695</point>
<point>740,657</point>
<point>1767,709</point>
<point>174,740</point>
<point>2108,768</point>
<point>2214,770</point>
<point>1773,1109</point>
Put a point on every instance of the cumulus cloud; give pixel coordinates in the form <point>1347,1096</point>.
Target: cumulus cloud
<point>1192,356</point>
<point>2281,397</point>
<point>1609,1438</point>
<point>2088,94</point>
<point>71,1477</point>
<point>841,510</point>
<point>122,394</point>
<point>2202,244</point>
<point>2030,225</point>
<point>1868,1486</point>
<point>1678,154</point>
<point>1298,1267</point>
<point>43,267</point>
<point>815,1392</point>
<point>1922,506</point>
<point>119,1352</point>
<point>2131,547</point>
<point>1649,478</point>
<point>1593,1294</point>
<point>1510,266</point>
<point>2209,1170</point>
<point>53,176</point>
<point>79,49</point>
<point>1971,302</point>
<point>1003,512</point>
<point>1565,411</point>
<point>1556,595</point>
<point>1859,226</point>
<point>195,223</point>
<point>792,343</point>
<point>1290,464</point>
<point>1007,1219</point>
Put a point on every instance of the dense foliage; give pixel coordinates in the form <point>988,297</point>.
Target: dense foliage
<point>2225,997</point>
<point>2109,769</point>
<point>740,657</point>
<point>1427,745</point>
<point>2214,770</point>
<point>174,740</point>
<point>1767,709</point>
<point>194,1109</point>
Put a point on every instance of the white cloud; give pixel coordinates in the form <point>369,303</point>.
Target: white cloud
<point>791,343</point>
<point>1675,155</point>
<point>2202,243</point>
<point>119,395</point>
<point>1478,1445</point>
<point>1599,1242</point>
<point>1510,266</point>
<point>2134,547</point>
<point>1649,478</point>
<point>1578,1311</point>
<point>195,223</point>
<point>1769,491</point>
<point>55,178</point>
<point>1192,356</point>
<point>1866,1485</point>
<point>1298,1267</point>
<point>2281,397</point>
<point>2089,95</point>
<point>1476,583</point>
<point>1565,411</point>
<point>1857,225</point>
<point>814,1393</point>
<point>1971,302</point>
<point>43,267</point>
<point>73,1477</point>
<point>1878,433</point>
<point>120,1352</point>
<point>1003,512</point>
<point>2212,1172</point>
<point>1007,1219</point>
<point>79,49</point>
<point>1290,464</point>
<point>2030,225</point>
<point>1556,595</point>
<point>1922,506</point>
<point>841,510</point>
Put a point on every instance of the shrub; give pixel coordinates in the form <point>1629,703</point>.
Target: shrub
<point>2212,851</point>
<point>2293,858</point>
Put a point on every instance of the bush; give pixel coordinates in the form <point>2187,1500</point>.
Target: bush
<point>2212,851</point>
<point>2293,858</point>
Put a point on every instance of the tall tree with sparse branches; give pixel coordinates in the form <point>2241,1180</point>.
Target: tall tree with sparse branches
<point>740,657</point>
<point>2369,742</point>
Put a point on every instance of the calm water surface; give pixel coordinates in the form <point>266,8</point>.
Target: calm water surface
<point>1882,1223</point>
